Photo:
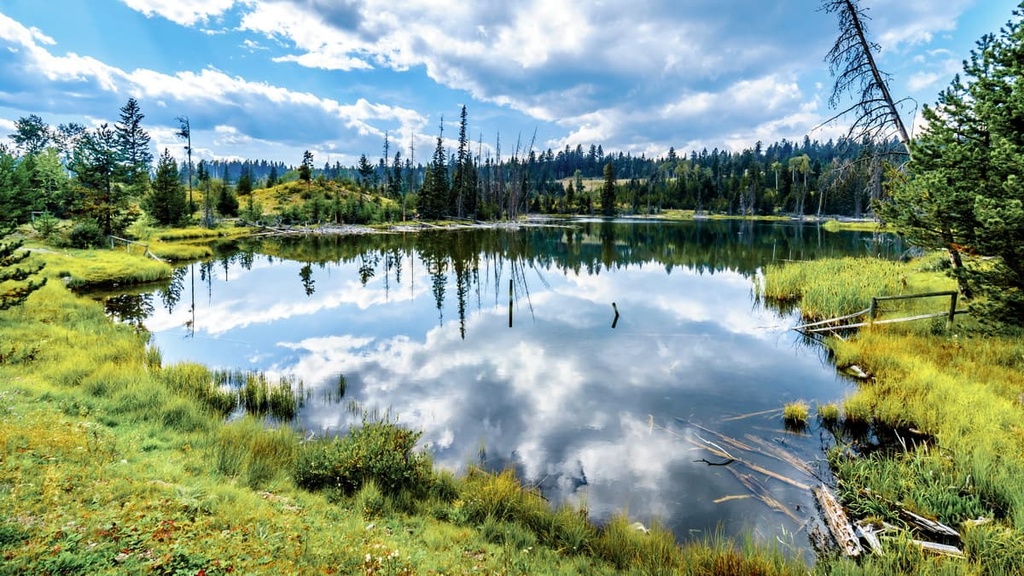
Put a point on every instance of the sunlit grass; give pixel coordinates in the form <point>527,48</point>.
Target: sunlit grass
<point>855,226</point>
<point>82,269</point>
<point>836,287</point>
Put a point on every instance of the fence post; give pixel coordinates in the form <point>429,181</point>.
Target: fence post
<point>952,307</point>
<point>873,310</point>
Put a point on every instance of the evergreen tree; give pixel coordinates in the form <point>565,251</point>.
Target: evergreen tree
<point>306,168</point>
<point>203,175</point>
<point>17,282</point>
<point>395,181</point>
<point>227,202</point>
<point>32,135</point>
<point>608,190</point>
<point>185,133</point>
<point>964,194</point>
<point>97,166</point>
<point>365,170</point>
<point>133,145</point>
<point>166,199</point>
<point>272,177</point>
<point>434,195</point>
<point>464,184</point>
<point>244,185</point>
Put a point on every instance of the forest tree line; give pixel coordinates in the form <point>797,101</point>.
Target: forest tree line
<point>102,177</point>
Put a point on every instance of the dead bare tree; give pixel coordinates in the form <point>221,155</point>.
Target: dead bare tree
<point>852,63</point>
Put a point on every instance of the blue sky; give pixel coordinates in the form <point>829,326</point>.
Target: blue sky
<point>271,78</point>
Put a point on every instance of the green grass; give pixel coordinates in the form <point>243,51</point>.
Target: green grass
<point>83,269</point>
<point>836,287</point>
<point>855,226</point>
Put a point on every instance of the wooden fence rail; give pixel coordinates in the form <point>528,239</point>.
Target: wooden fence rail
<point>872,314</point>
<point>128,246</point>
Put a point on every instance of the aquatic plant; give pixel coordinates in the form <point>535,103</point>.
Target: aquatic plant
<point>795,414</point>
<point>828,413</point>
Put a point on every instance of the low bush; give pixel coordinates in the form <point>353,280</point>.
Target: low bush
<point>379,451</point>
<point>85,234</point>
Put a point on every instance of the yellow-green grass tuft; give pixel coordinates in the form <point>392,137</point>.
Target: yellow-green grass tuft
<point>828,413</point>
<point>795,414</point>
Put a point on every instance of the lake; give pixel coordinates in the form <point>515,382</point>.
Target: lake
<point>629,357</point>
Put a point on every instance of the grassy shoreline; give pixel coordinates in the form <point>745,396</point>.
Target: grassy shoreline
<point>955,394</point>
<point>112,463</point>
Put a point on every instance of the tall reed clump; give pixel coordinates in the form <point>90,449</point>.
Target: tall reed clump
<point>828,414</point>
<point>260,397</point>
<point>196,382</point>
<point>795,415</point>
<point>256,455</point>
<point>717,554</point>
<point>651,551</point>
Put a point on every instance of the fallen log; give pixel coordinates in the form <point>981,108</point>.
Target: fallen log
<point>838,523</point>
<point>926,525</point>
<point>869,534</point>
<point>940,549</point>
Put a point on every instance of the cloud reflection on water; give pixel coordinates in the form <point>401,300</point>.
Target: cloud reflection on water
<point>561,396</point>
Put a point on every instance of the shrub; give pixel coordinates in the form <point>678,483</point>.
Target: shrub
<point>377,451</point>
<point>85,234</point>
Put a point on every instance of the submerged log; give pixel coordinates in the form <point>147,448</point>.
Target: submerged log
<point>837,522</point>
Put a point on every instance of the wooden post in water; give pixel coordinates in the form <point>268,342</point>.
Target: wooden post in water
<point>509,302</point>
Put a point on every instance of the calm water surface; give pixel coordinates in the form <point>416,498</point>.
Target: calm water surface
<point>606,412</point>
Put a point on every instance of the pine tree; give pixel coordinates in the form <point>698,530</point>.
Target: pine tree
<point>244,186</point>
<point>434,201</point>
<point>17,282</point>
<point>964,194</point>
<point>166,200</point>
<point>608,190</point>
<point>97,166</point>
<point>133,145</point>
<point>227,202</point>
<point>306,168</point>
<point>464,184</point>
<point>365,170</point>
<point>32,135</point>
<point>185,133</point>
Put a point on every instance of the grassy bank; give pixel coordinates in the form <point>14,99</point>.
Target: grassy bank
<point>949,404</point>
<point>111,462</point>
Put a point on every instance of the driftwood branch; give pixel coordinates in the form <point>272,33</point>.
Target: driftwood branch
<point>710,463</point>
